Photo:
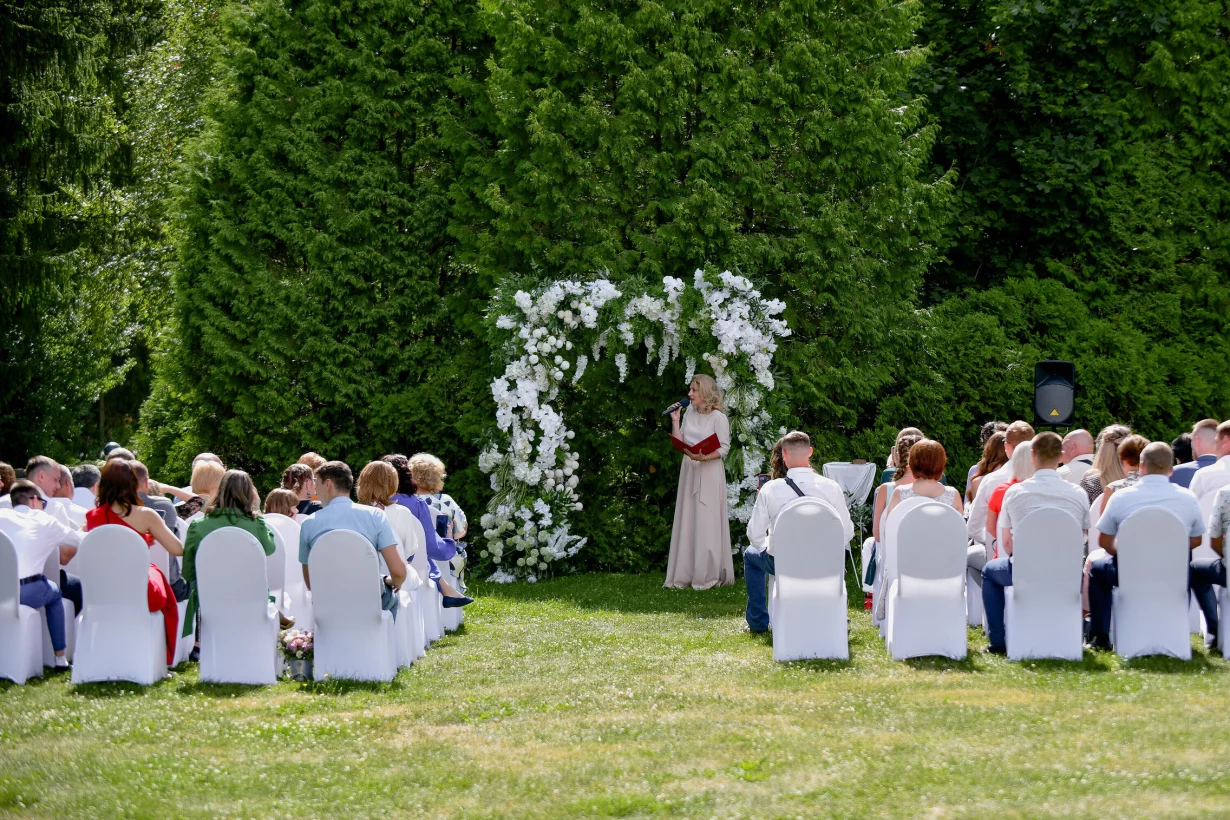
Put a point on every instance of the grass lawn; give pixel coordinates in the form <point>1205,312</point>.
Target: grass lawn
<point>598,696</point>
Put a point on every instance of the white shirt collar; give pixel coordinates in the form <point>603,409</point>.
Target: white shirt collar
<point>22,508</point>
<point>1047,473</point>
<point>1154,478</point>
<point>795,472</point>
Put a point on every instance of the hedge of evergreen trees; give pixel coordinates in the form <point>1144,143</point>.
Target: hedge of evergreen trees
<point>942,192</point>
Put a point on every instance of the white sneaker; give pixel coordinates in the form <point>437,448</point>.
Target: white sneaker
<point>61,662</point>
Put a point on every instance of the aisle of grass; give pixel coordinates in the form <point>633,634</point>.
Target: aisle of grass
<point>609,696</point>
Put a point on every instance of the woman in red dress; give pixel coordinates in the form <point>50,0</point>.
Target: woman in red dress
<point>118,503</point>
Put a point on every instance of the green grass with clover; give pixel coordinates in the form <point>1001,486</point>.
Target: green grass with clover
<point>605,695</point>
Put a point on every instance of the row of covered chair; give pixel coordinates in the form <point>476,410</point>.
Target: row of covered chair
<point>240,591</point>
<point>929,598</point>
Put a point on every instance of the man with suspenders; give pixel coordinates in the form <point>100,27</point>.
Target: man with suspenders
<point>801,480</point>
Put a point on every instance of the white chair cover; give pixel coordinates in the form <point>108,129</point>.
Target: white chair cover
<point>297,599</point>
<point>1043,605</point>
<point>354,637</point>
<point>118,638</point>
<point>807,599</point>
<point>21,641</point>
<point>239,626</point>
<point>926,602</point>
<point>275,568</point>
<point>886,556</point>
<point>1150,604</point>
<point>431,602</point>
<point>52,571</point>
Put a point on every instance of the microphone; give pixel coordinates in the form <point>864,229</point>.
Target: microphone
<point>679,405</point>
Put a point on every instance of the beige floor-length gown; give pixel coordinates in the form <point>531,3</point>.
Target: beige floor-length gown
<point>700,541</point>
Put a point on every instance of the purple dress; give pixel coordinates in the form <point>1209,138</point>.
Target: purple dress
<point>438,549</point>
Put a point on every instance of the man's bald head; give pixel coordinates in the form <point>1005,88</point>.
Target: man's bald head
<point>1077,443</point>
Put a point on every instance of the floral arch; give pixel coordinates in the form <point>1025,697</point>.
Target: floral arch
<point>548,335</point>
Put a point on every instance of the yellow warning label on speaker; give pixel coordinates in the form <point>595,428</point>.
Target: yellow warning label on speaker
<point>1054,412</point>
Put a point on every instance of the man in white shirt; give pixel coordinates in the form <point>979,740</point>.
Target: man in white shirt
<point>1153,490</point>
<point>1077,456</point>
<point>1205,572</point>
<point>36,536</point>
<point>801,480</point>
<point>976,526</point>
<point>1045,489</point>
<point>85,485</point>
<point>1209,480</point>
<point>62,501</point>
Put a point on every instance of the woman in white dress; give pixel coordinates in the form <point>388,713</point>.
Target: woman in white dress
<point>700,540</point>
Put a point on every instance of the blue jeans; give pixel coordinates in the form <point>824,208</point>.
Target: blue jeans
<point>756,566</point>
<point>996,575</point>
<point>46,595</point>
<point>1205,574</point>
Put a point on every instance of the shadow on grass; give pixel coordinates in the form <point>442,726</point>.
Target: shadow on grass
<point>624,593</point>
<point>1166,665</point>
<point>218,690</point>
<point>121,688</point>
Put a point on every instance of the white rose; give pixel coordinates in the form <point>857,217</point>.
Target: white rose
<point>578,506</point>
<point>482,554</point>
<point>541,567</point>
<point>563,365</point>
<point>567,345</point>
<point>568,470</point>
<point>520,562</point>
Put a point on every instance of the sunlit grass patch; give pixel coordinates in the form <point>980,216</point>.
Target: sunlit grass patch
<point>608,696</point>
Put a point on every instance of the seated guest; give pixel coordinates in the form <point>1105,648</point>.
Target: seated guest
<point>1043,489</point>
<point>36,537</point>
<point>1182,446</point>
<point>85,486</point>
<point>8,477</point>
<point>801,480</point>
<point>1077,456</point>
<point>157,503</point>
<point>313,460</point>
<point>993,457</point>
<point>63,499</point>
<point>902,477</point>
<point>121,452</point>
<point>1022,468</point>
<point>976,526</point>
<point>1106,465</point>
<point>1204,452</point>
<point>119,503</point>
<point>892,465</point>
<point>428,473</point>
<point>438,549</point>
<point>1207,572</point>
<point>1153,490</point>
<point>205,477</point>
<point>376,487</point>
<point>233,505</point>
<point>282,502</point>
<point>335,482</point>
<point>299,479</point>
<point>44,474</point>
<point>449,518</point>
<point>1209,480</point>
<point>1129,451</point>
<point>926,461</point>
<point>984,435</point>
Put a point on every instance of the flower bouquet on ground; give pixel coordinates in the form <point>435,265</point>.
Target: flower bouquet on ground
<point>297,649</point>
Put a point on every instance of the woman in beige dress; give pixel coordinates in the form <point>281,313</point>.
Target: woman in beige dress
<point>700,541</point>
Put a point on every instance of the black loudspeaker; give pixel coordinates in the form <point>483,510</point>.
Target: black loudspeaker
<point>1054,393</point>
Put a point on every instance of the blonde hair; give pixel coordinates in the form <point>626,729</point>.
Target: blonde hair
<point>283,502</point>
<point>427,472</point>
<point>1022,461</point>
<point>710,395</point>
<point>206,476</point>
<point>377,483</point>
<point>1106,460</point>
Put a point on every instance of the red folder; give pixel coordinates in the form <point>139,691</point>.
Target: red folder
<point>704,448</point>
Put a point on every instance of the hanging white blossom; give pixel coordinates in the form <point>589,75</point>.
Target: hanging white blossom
<point>534,473</point>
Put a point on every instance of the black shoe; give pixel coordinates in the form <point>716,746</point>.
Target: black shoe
<point>996,650</point>
<point>195,655</point>
<point>451,603</point>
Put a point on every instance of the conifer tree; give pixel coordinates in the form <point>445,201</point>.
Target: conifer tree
<point>314,280</point>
